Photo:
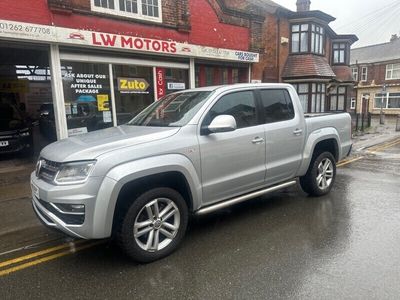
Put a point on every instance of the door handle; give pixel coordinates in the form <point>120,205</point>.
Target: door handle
<point>257,140</point>
<point>297,131</point>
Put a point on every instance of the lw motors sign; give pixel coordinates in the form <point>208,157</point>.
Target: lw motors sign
<point>63,35</point>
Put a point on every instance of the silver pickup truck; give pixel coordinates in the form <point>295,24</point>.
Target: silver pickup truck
<point>192,152</point>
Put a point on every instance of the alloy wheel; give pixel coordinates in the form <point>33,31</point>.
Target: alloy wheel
<point>325,173</point>
<point>156,224</point>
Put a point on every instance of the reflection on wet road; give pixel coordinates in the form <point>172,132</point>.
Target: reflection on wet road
<point>287,245</point>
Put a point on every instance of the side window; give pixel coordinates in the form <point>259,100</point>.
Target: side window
<point>240,105</point>
<point>277,105</point>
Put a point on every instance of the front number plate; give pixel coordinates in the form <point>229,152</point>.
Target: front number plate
<point>35,190</point>
<point>3,143</point>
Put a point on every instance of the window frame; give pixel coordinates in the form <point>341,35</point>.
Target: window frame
<point>354,71</point>
<point>316,38</point>
<point>391,70</point>
<point>337,93</point>
<point>364,74</point>
<point>258,117</point>
<point>386,97</point>
<point>288,101</point>
<point>341,46</point>
<point>353,103</point>
<point>116,11</point>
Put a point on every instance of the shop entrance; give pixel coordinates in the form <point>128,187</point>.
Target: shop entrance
<point>25,100</point>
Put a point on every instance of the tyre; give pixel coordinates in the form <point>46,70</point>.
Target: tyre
<point>320,176</point>
<point>154,225</point>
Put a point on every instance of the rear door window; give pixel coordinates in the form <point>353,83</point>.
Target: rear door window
<point>277,105</point>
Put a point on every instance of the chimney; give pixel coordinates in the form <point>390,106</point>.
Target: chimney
<point>303,5</point>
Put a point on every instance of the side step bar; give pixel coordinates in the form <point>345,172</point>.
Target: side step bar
<point>242,198</point>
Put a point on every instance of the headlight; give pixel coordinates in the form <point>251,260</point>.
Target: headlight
<point>25,133</point>
<point>74,172</point>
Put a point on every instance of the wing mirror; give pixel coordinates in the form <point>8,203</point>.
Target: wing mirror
<point>222,123</point>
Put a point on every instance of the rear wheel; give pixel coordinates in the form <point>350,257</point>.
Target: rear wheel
<point>320,176</point>
<point>154,225</point>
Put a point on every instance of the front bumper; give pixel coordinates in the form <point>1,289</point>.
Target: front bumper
<point>47,197</point>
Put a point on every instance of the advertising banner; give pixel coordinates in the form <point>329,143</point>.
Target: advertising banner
<point>63,35</point>
<point>160,80</point>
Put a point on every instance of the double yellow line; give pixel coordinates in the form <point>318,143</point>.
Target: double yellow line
<point>35,258</point>
<point>371,150</point>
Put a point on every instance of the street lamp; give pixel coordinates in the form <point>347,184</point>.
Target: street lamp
<point>381,114</point>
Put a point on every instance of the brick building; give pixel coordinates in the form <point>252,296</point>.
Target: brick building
<point>108,59</point>
<point>376,69</point>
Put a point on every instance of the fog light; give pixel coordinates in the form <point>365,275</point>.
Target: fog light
<point>72,209</point>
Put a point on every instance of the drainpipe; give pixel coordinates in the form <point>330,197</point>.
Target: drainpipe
<point>278,48</point>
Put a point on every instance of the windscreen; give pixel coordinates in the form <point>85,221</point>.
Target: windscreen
<point>174,110</point>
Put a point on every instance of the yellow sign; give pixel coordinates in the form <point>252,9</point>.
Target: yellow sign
<point>133,85</point>
<point>103,104</point>
<point>14,86</point>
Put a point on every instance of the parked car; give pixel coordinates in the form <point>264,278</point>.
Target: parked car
<point>15,131</point>
<point>192,152</point>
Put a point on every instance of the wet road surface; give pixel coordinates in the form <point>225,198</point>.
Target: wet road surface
<point>286,245</point>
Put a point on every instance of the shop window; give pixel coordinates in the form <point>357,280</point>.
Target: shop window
<point>176,80</point>
<point>139,9</point>
<point>134,90</point>
<point>87,97</point>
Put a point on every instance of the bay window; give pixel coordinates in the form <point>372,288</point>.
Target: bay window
<point>312,96</point>
<point>306,38</point>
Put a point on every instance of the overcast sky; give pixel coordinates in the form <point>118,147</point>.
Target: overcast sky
<point>373,21</point>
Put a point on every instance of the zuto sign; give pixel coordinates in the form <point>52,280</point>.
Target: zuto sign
<point>133,85</point>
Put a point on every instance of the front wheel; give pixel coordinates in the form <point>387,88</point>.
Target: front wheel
<point>320,176</point>
<point>154,225</point>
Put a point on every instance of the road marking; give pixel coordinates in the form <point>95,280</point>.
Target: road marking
<point>39,253</point>
<point>371,150</point>
<point>383,147</point>
<point>346,162</point>
<point>48,258</point>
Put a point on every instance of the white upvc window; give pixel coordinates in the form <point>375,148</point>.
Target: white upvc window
<point>364,73</point>
<point>149,10</point>
<point>393,71</point>
<point>354,72</point>
<point>352,103</point>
